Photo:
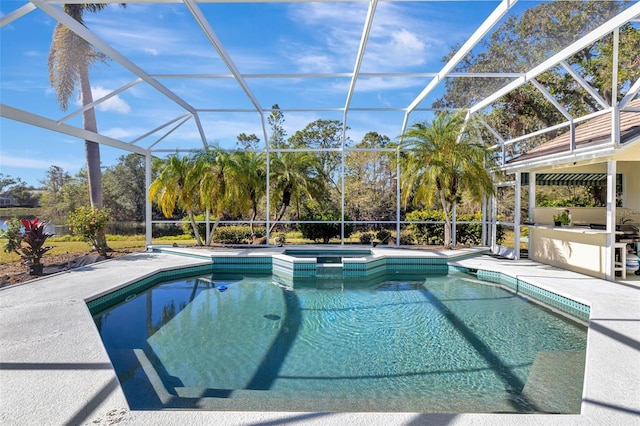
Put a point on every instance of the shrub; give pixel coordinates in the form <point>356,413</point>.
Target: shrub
<point>187,229</point>
<point>406,238</point>
<point>468,234</point>
<point>90,224</point>
<point>33,236</point>
<point>232,235</point>
<point>366,238</point>
<point>329,228</point>
<point>427,233</point>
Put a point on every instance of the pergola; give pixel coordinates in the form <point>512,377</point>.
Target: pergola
<point>246,88</point>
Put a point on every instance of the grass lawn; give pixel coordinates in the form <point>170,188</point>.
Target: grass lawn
<point>63,246</point>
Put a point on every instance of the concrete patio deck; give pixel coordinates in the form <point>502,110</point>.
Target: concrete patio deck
<point>54,369</point>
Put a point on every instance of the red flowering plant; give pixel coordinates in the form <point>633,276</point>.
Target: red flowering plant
<point>27,238</point>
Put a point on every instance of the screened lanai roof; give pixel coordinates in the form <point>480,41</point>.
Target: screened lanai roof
<point>182,74</point>
<point>590,134</point>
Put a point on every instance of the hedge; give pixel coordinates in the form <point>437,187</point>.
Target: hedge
<point>227,234</point>
<point>468,234</point>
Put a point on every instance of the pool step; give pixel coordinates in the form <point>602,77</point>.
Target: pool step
<point>331,401</point>
<point>551,383</point>
<point>329,270</point>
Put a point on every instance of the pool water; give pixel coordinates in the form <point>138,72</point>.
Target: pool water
<point>439,344</point>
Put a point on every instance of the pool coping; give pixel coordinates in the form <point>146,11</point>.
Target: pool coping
<point>54,369</point>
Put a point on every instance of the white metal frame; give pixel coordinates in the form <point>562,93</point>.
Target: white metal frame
<point>51,8</point>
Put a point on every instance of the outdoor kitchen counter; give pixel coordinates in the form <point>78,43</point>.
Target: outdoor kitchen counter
<point>577,248</point>
<point>582,229</point>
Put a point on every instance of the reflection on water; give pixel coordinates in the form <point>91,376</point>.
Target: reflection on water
<point>120,228</point>
<point>49,228</point>
<point>441,343</point>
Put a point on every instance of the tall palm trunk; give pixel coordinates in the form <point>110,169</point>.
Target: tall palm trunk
<point>213,230</point>
<point>194,225</point>
<point>92,152</point>
<point>447,208</point>
<point>254,214</point>
<point>286,200</point>
<point>92,149</point>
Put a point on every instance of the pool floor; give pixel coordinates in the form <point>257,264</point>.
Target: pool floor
<point>441,344</point>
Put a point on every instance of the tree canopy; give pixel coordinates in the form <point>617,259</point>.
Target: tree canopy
<point>523,41</point>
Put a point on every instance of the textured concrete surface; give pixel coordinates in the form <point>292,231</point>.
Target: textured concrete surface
<point>54,369</point>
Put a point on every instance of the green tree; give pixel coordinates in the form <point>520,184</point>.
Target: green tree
<point>523,41</point>
<point>63,193</point>
<point>6,182</point>
<point>124,188</point>
<point>444,158</point>
<point>18,190</point>
<point>248,173</point>
<point>70,57</point>
<point>52,197</point>
<point>276,122</point>
<point>325,136</point>
<point>370,180</point>
<point>217,188</point>
<point>330,226</point>
<point>294,175</point>
<point>178,184</point>
<point>596,63</point>
<point>247,142</point>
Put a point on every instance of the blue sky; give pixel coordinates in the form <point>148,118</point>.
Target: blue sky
<point>260,38</point>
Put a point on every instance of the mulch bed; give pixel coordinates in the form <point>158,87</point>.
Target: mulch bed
<point>16,272</point>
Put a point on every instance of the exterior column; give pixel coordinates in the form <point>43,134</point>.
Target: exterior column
<point>532,196</point>
<point>147,207</point>
<point>483,221</point>
<point>611,220</point>
<point>398,197</point>
<point>494,224</point>
<point>516,216</point>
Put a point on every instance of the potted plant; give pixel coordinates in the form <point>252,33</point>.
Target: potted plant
<point>28,243</point>
<point>562,219</point>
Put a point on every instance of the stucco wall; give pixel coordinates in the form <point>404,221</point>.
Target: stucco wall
<point>580,252</point>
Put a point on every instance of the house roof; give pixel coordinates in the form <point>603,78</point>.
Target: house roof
<point>594,132</point>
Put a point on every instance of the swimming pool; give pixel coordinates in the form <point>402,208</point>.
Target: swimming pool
<point>439,344</point>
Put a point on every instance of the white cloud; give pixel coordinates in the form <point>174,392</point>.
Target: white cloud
<point>369,84</point>
<point>152,52</point>
<point>314,63</point>
<point>402,37</point>
<point>114,104</point>
<point>130,35</point>
<point>35,163</point>
<point>120,133</point>
<point>405,45</point>
<point>337,30</point>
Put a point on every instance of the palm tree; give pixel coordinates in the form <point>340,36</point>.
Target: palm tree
<point>69,60</point>
<point>248,176</point>
<point>444,157</point>
<point>212,168</point>
<point>178,182</point>
<point>293,175</point>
